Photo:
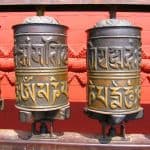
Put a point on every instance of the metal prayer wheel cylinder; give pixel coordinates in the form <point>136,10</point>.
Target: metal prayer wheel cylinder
<point>113,61</point>
<point>41,66</point>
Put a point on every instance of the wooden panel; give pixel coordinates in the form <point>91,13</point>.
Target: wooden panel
<point>62,2</point>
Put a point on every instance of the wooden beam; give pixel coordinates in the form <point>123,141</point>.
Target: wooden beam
<point>11,140</point>
<point>74,2</point>
<point>75,5</point>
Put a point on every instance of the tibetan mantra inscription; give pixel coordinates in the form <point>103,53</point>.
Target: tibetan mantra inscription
<point>41,66</point>
<point>114,56</point>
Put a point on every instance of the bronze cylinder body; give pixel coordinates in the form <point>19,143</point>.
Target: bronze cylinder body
<point>41,66</point>
<point>113,61</point>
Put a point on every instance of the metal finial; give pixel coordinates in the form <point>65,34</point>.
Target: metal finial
<point>112,14</point>
<point>40,10</point>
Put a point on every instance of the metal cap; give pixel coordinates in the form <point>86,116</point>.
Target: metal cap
<point>40,19</point>
<point>113,22</point>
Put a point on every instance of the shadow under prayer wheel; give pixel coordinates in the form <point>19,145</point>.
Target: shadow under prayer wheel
<point>113,61</point>
<point>41,66</point>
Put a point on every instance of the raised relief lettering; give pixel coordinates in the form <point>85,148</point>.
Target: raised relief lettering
<point>113,58</point>
<point>22,53</point>
<point>97,93</point>
<point>63,88</point>
<point>43,91</point>
<point>64,55</point>
<point>92,60</point>
<point>46,53</point>
<point>130,95</point>
<point>115,96</point>
<point>55,53</point>
<point>26,90</point>
<point>18,91</point>
<point>102,58</point>
<point>37,54</point>
<point>92,95</point>
<point>102,97</point>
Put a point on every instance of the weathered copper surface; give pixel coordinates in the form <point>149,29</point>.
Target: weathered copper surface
<point>41,66</point>
<point>114,55</point>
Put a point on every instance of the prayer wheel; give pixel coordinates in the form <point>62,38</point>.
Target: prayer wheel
<point>41,65</point>
<point>113,62</point>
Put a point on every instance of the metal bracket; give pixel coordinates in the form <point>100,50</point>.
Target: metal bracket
<point>1,104</point>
